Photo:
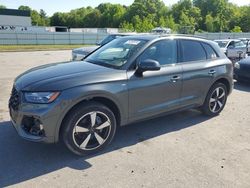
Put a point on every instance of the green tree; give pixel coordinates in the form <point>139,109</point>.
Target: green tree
<point>209,23</point>
<point>2,7</point>
<point>92,19</point>
<point>185,14</point>
<point>22,7</point>
<point>236,29</point>
<point>43,13</point>
<point>35,18</point>
<point>127,27</point>
<point>170,22</point>
<point>59,19</point>
<point>245,19</point>
<point>218,9</point>
<point>111,14</point>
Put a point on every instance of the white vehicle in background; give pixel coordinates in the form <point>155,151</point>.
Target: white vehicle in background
<point>225,43</point>
<point>79,54</point>
<point>246,41</point>
<point>161,30</point>
<point>234,48</point>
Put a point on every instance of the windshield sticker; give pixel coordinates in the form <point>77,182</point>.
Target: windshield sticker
<point>133,42</point>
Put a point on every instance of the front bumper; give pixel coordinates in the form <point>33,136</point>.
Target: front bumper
<point>37,122</point>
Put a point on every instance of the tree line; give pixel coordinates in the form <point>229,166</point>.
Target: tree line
<point>144,15</point>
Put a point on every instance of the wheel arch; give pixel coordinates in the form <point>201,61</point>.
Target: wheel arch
<point>111,104</point>
<point>224,81</point>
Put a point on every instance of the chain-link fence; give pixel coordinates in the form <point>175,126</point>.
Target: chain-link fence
<point>214,36</point>
<point>37,38</point>
<point>18,38</point>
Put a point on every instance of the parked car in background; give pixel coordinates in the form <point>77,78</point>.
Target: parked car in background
<point>78,54</point>
<point>161,30</point>
<point>246,41</point>
<point>242,70</point>
<point>127,80</point>
<point>234,49</point>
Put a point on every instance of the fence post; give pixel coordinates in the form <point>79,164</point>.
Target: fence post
<point>53,34</point>
<point>83,38</point>
<point>36,38</point>
<point>17,42</point>
<point>70,38</point>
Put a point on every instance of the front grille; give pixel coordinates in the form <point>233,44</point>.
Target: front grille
<point>14,99</point>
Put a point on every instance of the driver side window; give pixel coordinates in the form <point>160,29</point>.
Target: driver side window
<point>164,51</point>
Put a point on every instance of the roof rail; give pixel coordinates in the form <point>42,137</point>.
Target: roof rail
<point>183,35</point>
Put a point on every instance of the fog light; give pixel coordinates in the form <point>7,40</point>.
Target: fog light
<point>33,126</point>
<point>37,128</point>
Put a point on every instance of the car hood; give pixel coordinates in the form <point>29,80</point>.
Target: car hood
<point>85,50</point>
<point>60,76</point>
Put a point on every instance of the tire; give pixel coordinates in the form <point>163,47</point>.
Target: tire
<point>215,100</point>
<point>88,128</point>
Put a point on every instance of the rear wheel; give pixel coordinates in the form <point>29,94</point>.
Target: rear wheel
<point>215,100</point>
<point>89,128</point>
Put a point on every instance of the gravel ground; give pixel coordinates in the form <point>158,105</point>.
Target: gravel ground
<point>181,150</point>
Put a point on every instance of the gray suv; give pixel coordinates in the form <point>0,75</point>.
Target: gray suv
<point>130,79</point>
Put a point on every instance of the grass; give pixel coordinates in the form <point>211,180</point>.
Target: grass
<point>17,48</point>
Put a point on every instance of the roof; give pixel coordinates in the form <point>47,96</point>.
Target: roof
<point>155,36</point>
<point>15,12</point>
<point>227,40</point>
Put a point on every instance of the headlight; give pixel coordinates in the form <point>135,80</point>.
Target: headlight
<point>41,97</point>
<point>237,65</point>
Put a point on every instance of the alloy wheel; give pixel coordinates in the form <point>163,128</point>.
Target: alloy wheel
<point>217,99</point>
<point>91,130</point>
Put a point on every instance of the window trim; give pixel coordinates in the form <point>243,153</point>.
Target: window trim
<point>204,43</point>
<point>181,51</point>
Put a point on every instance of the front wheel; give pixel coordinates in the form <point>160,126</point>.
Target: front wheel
<point>89,128</point>
<point>215,100</point>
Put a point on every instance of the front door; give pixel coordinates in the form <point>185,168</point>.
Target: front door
<point>156,92</point>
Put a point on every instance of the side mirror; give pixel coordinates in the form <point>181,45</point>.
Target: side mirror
<point>148,65</point>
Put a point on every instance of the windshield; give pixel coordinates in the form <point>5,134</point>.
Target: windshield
<point>222,44</point>
<point>107,39</point>
<point>116,53</point>
<point>239,44</point>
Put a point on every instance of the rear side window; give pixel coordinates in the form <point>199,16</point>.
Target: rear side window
<point>192,51</point>
<point>211,54</point>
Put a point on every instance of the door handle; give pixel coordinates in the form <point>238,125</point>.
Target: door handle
<point>175,78</point>
<point>211,72</point>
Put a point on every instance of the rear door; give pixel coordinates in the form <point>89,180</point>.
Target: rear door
<point>199,69</point>
<point>156,91</point>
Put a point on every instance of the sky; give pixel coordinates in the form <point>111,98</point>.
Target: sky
<point>52,6</point>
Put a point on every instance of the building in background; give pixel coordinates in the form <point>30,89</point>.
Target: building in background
<point>11,18</point>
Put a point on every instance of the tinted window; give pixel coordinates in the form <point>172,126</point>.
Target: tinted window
<point>164,51</point>
<point>192,51</point>
<point>211,54</point>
